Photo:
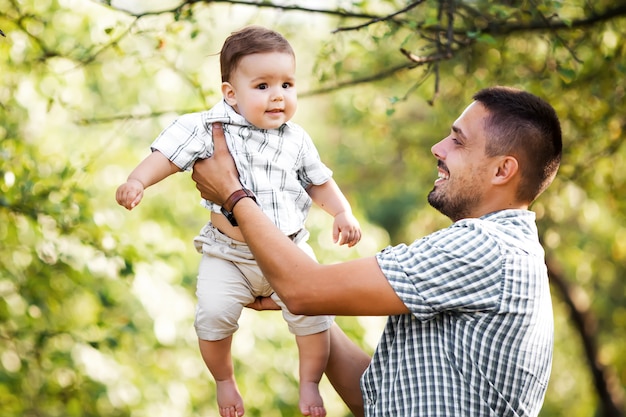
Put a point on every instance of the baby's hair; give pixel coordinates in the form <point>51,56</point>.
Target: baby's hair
<point>247,41</point>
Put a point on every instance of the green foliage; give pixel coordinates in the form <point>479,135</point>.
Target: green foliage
<point>97,303</point>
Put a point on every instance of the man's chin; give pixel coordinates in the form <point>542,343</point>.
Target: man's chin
<point>436,201</point>
<point>433,199</point>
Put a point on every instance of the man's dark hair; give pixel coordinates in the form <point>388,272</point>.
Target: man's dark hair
<point>527,127</point>
<point>247,41</point>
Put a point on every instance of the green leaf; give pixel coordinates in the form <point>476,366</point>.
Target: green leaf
<point>567,74</point>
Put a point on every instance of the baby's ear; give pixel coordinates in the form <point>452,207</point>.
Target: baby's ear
<point>229,93</point>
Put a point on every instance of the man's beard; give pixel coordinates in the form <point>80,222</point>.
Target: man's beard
<point>454,207</point>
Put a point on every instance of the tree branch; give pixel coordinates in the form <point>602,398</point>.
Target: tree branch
<point>494,28</point>
<point>380,19</point>
<point>258,4</point>
<point>607,386</point>
<point>543,24</point>
<point>363,80</point>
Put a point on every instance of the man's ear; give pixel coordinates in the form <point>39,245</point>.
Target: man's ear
<point>506,169</point>
<point>229,93</point>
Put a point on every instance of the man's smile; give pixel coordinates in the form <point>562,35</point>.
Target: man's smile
<point>442,173</point>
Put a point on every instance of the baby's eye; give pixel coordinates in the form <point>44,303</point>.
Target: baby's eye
<point>287,85</point>
<point>262,86</point>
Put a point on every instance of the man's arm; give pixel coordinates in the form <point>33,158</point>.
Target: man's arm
<point>351,288</point>
<point>346,364</point>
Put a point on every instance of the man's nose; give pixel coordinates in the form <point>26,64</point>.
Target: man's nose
<point>438,150</point>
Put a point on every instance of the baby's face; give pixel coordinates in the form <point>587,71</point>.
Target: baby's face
<point>263,89</point>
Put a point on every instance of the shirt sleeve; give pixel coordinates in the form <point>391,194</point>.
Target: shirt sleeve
<point>455,270</point>
<point>312,170</point>
<point>184,141</point>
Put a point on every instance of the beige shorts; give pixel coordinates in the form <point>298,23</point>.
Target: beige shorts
<point>229,279</point>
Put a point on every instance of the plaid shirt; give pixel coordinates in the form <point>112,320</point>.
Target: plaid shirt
<point>277,165</point>
<point>479,339</point>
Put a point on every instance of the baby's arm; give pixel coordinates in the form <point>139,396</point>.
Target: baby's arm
<point>151,170</point>
<point>330,198</point>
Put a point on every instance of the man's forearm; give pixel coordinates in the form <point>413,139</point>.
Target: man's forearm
<point>266,241</point>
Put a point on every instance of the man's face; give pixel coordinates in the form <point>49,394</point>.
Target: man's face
<point>463,167</point>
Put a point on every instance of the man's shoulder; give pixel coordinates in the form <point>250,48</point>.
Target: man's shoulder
<point>507,228</point>
<point>465,237</point>
<point>500,220</point>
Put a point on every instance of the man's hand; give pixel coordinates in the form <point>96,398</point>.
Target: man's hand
<point>217,177</point>
<point>263,303</point>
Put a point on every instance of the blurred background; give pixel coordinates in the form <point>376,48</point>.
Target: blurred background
<point>97,303</point>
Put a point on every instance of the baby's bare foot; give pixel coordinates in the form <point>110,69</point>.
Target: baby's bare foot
<point>311,403</point>
<point>229,400</point>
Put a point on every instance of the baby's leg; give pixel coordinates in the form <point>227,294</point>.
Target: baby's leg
<point>216,355</point>
<point>314,350</point>
<point>222,292</point>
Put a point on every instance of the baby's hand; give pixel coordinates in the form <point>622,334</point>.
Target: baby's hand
<point>129,194</point>
<point>348,226</point>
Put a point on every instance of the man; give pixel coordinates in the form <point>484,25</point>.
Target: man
<point>470,331</point>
